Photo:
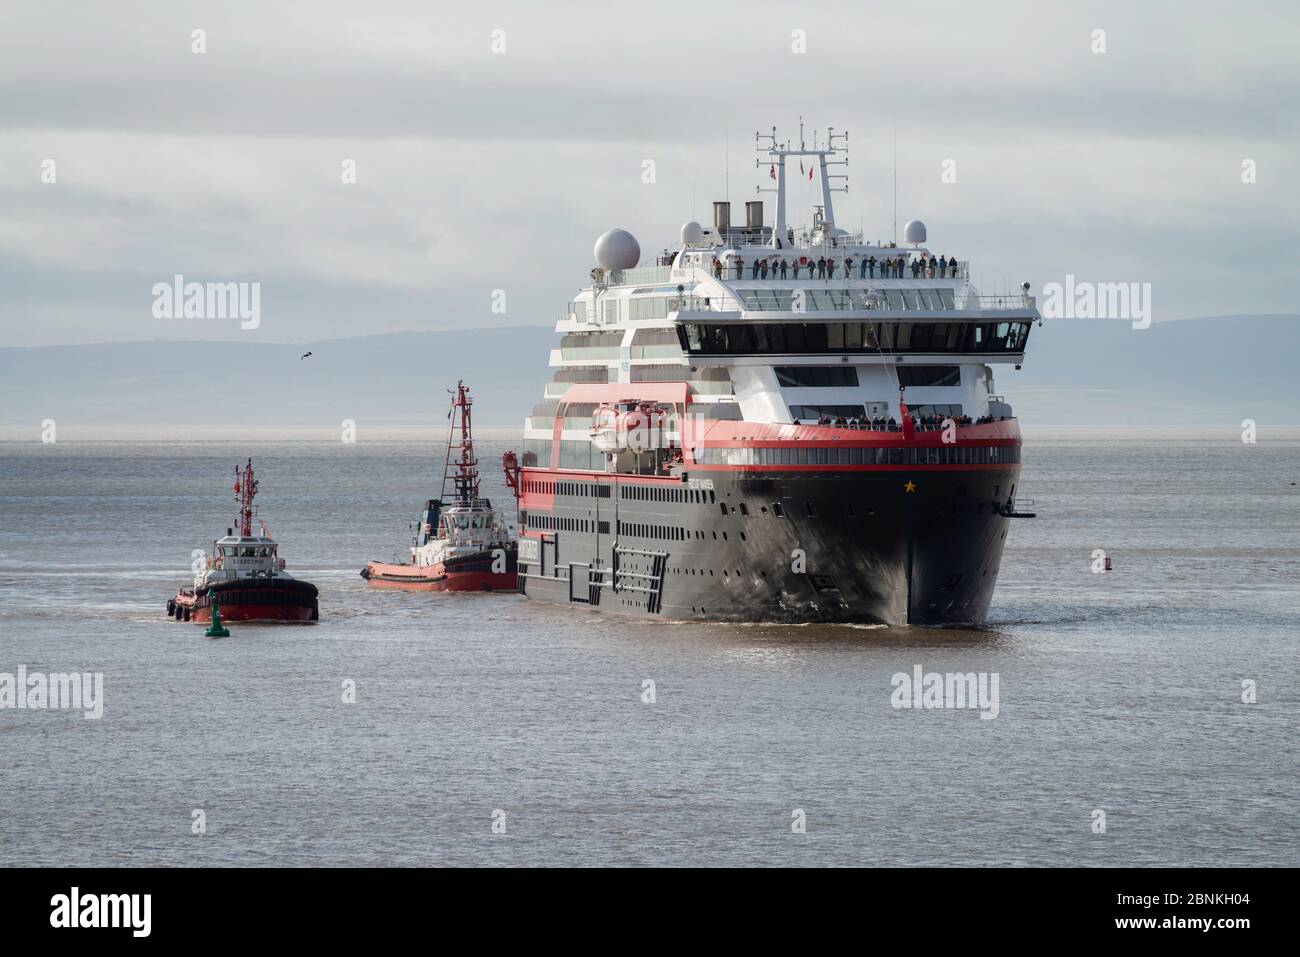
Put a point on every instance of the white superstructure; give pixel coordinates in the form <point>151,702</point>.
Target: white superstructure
<point>776,344</point>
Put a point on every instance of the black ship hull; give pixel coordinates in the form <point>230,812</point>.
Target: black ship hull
<point>890,546</point>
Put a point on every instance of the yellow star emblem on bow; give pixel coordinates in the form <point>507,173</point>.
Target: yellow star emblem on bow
<point>910,487</point>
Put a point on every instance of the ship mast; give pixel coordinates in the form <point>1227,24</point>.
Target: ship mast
<point>777,153</point>
<point>462,473</point>
<point>245,489</point>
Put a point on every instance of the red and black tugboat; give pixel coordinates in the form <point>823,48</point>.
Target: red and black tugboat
<point>462,543</point>
<point>246,575</point>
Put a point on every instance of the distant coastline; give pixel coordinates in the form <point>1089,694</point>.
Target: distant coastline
<point>1084,374</point>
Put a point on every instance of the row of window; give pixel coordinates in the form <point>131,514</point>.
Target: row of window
<point>555,523</point>
<point>584,489</point>
<point>787,338</point>
<point>660,372</point>
<point>639,493</point>
<point>650,307</point>
<point>654,337</point>
<point>582,374</point>
<point>574,454</point>
<point>929,375</point>
<point>666,493</point>
<point>248,551</point>
<point>641,530</point>
<point>811,413</point>
<point>943,455</point>
<point>815,377</point>
<point>579,454</point>
<point>582,340</point>
<point>940,410</point>
<point>856,455</point>
<point>783,300</point>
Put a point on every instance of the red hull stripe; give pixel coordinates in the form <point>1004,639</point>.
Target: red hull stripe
<point>456,581</point>
<point>732,434</point>
<point>856,468</point>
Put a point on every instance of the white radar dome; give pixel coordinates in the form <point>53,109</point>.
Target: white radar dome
<point>692,233</point>
<point>914,231</point>
<point>617,249</point>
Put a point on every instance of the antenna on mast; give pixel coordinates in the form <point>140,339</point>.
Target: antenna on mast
<point>245,490</point>
<point>726,164</point>
<point>462,473</point>
<point>895,180</point>
<point>835,145</point>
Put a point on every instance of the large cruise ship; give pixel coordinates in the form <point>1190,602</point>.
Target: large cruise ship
<point>775,423</point>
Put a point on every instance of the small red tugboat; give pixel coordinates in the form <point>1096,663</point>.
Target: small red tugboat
<point>246,575</point>
<point>462,543</point>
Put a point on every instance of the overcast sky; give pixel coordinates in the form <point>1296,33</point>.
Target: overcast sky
<point>479,171</point>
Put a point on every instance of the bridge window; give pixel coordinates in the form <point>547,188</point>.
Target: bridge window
<point>797,338</point>
<point>805,377</point>
<point>929,375</point>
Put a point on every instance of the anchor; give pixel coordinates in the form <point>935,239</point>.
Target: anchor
<point>216,631</point>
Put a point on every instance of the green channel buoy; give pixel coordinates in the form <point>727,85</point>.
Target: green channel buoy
<point>216,631</point>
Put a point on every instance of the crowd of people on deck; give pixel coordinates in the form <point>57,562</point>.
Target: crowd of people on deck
<point>880,423</point>
<point>924,266</point>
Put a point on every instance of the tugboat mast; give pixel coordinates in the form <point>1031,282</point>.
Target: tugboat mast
<point>245,489</point>
<point>462,473</point>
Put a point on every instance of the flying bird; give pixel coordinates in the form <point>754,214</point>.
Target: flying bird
<point>304,356</point>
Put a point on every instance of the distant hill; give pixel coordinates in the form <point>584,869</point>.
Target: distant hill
<point>392,381</point>
<point>1198,372</point>
<point>1194,372</point>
